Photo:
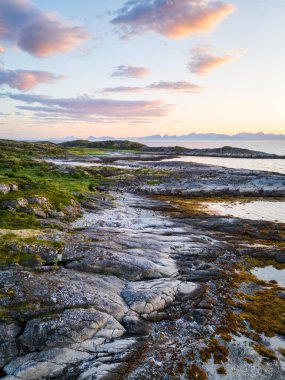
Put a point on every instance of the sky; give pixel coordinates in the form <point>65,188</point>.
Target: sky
<point>141,67</point>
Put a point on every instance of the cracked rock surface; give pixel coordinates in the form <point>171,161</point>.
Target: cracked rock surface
<point>134,288</point>
<point>85,317</point>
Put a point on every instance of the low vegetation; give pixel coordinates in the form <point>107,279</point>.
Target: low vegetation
<point>109,144</point>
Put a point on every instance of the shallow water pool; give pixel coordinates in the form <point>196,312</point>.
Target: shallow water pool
<point>272,211</point>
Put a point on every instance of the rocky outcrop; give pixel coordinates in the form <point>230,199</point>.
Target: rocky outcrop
<point>137,285</point>
<point>41,207</point>
<point>225,151</point>
<point>85,317</point>
<point>203,180</point>
<point>151,298</point>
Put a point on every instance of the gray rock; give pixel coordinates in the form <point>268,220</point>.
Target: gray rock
<point>147,298</point>
<point>71,327</point>
<point>14,203</point>
<point>4,188</point>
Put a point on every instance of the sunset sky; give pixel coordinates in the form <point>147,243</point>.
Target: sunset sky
<point>141,67</point>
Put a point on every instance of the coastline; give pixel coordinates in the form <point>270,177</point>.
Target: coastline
<point>134,279</point>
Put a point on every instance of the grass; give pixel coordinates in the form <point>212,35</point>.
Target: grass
<point>98,151</point>
<point>17,149</point>
<point>87,151</point>
<point>60,186</point>
<point>22,256</point>
<point>9,256</point>
<point>117,145</point>
<point>17,220</point>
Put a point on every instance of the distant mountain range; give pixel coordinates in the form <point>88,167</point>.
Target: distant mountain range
<point>188,137</point>
<point>199,137</point>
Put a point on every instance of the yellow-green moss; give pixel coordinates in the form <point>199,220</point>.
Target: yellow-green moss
<point>221,371</point>
<point>253,262</point>
<point>194,372</point>
<point>248,360</point>
<point>264,351</point>
<point>264,310</point>
<point>216,350</point>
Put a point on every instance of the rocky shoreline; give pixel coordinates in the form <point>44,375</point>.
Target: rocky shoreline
<point>144,150</point>
<point>132,282</point>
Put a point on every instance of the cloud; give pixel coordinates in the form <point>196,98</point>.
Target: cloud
<point>88,108</point>
<point>2,50</point>
<point>182,86</point>
<point>123,71</point>
<point>36,32</point>
<point>127,89</point>
<point>25,80</point>
<point>171,18</point>
<point>203,60</point>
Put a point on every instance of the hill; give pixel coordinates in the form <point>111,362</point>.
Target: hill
<point>108,144</point>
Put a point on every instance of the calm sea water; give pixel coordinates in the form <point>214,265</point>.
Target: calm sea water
<point>270,273</point>
<point>276,147</point>
<point>267,146</point>
<point>271,211</point>
<point>263,210</point>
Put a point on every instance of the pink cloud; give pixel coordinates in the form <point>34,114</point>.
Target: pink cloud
<point>203,60</point>
<point>36,32</point>
<point>26,80</point>
<point>87,108</point>
<point>2,50</point>
<point>182,86</point>
<point>174,19</point>
<point>123,71</point>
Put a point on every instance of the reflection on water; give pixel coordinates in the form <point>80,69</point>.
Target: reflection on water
<point>238,163</point>
<point>73,163</point>
<point>272,211</point>
<point>270,273</point>
<point>85,164</point>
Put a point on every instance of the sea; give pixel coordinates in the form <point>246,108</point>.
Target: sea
<point>271,165</point>
<point>272,211</point>
<point>269,210</point>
